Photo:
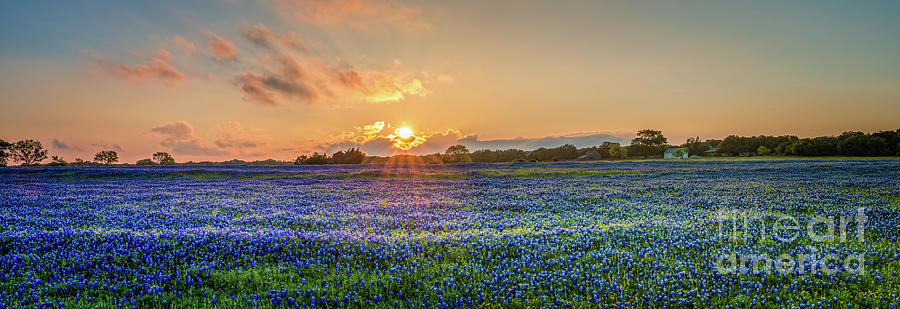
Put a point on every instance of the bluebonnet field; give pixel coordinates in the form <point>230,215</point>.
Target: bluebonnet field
<point>628,234</point>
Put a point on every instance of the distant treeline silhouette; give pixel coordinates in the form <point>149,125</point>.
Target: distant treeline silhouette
<point>647,144</point>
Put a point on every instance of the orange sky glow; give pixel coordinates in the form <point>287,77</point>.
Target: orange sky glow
<point>258,79</point>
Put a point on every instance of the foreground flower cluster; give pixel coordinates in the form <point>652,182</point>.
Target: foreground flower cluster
<point>644,234</point>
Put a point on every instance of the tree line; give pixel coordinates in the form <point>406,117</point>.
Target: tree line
<point>647,143</point>
<point>31,153</point>
<point>652,144</point>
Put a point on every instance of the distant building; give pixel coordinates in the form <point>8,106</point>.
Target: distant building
<point>711,152</point>
<point>676,153</point>
<point>590,156</point>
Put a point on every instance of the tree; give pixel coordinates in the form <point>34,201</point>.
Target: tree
<point>696,146</point>
<point>144,162</point>
<point>763,150</point>
<point>648,142</point>
<point>4,146</point>
<point>106,156</point>
<point>351,156</point>
<point>616,151</point>
<point>315,158</point>
<point>457,153</point>
<point>29,152</point>
<point>679,153</point>
<point>58,161</point>
<point>163,158</point>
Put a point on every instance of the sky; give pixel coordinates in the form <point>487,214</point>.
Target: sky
<point>257,79</point>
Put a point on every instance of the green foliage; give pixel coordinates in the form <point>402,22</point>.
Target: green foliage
<point>106,157</point>
<point>561,153</point>
<point>457,153</point>
<point>648,143</point>
<point>29,152</point>
<point>616,151</point>
<point>763,150</point>
<point>487,155</point>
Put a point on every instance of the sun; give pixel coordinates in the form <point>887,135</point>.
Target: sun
<point>404,132</point>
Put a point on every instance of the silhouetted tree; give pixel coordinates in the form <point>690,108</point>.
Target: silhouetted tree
<point>29,152</point>
<point>4,152</point>
<point>106,157</point>
<point>145,162</point>
<point>315,158</point>
<point>57,161</point>
<point>351,156</point>
<point>163,158</point>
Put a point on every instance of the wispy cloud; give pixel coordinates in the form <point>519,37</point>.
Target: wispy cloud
<point>221,48</point>
<point>104,146</point>
<point>357,14</point>
<point>158,67</point>
<point>186,46</point>
<point>58,144</point>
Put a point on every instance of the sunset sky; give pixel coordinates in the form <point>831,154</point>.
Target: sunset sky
<point>257,79</point>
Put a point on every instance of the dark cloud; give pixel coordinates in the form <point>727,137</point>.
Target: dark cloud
<point>438,142</point>
<point>178,130</point>
<point>474,143</point>
<point>58,144</point>
<point>260,89</point>
<point>191,147</point>
<point>258,34</point>
<point>107,146</point>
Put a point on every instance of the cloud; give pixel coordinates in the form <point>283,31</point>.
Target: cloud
<point>221,48</point>
<point>63,146</point>
<point>379,86</point>
<point>473,142</point>
<point>158,67</point>
<point>261,89</point>
<point>258,34</point>
<point>357,14</point>
<point>178,130</point>
<point>107,146</point>
<point>290,39</point>
<point>186,46</point>
<point>179,137</point>
<point>379,139</point>
<point>191,147</point>
<point>446,78</point>
<point>233,136</point>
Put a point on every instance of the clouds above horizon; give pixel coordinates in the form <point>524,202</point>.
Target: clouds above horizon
<point>356,14</point>
<point>179,138</point>
<point>377,139</point>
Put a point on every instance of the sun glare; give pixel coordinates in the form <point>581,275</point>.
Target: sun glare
<point>404,138</point>
<point>404,132</point>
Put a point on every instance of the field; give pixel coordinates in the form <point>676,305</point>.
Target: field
<point>626,234</point>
